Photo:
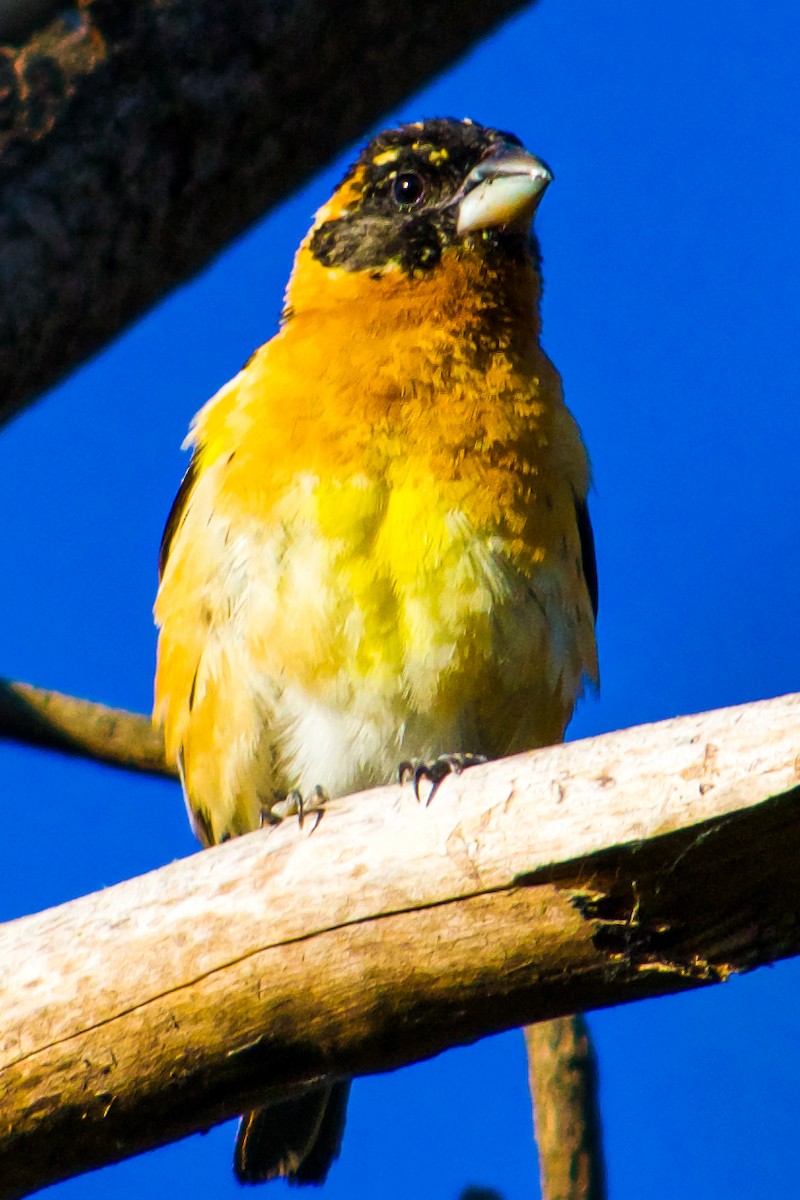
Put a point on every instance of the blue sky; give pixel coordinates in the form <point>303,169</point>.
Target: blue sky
<point>670,241</point>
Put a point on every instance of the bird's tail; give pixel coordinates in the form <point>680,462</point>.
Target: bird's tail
<point>294,1139</point>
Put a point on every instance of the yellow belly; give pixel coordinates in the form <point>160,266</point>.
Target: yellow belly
<point>363,624</point>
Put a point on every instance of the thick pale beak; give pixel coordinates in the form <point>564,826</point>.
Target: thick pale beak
<point>503,191</point>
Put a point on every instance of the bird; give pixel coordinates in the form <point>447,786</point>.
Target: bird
<point>381,550</point>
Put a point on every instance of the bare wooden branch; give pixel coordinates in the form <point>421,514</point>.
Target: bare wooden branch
<point>53,721</point>
<point>566,1116</point>
<point>632,865</point>
<point>136,139</point>
<point>560,1055</point>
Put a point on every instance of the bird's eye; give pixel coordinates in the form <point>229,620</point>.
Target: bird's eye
<point>408,189</point>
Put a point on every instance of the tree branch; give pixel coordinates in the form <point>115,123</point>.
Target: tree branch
<point>53,721</point>
<point>137,139</point>
<point>560,1055</point>
<point>20,18</point>
<point>566,1118</point>
<point>632,865</point>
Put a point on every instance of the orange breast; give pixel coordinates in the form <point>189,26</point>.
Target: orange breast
<point>382,545</point>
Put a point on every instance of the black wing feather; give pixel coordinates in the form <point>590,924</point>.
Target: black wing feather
<point>305,1130</point>
<point>588,556</point>
<point>176,514</point>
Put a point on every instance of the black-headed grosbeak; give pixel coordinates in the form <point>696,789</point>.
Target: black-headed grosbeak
<point>381,549</point>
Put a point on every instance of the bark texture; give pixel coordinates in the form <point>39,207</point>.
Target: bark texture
<point>566,1118</point>
<point>54,721</point>
<point>20,18</point>
<point>137,139</point>
<point>640,863</point>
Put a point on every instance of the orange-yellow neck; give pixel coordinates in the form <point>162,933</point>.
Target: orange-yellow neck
<point>493,303</point>
<point>402,379</point>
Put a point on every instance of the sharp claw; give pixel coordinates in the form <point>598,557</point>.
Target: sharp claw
<point>435,772</point>
<point>318,814</point>
<point>293,804</point>
<point>317,809</point>
<point>405,771</point>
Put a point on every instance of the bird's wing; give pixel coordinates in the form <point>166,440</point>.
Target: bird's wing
<point>586,535</point>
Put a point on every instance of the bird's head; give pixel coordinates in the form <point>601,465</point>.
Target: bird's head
<point>437,194</point>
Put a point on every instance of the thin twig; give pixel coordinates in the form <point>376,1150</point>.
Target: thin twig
<point>53,721</point>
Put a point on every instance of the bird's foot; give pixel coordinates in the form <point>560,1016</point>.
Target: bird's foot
<point>294,804</point>
<point>435,772</point>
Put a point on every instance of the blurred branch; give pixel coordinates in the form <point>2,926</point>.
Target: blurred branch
<point>20,18</point>
<point>137,139</point>
<point>632,865</point>
<point>53,721</point>
<point>563,1082</point>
